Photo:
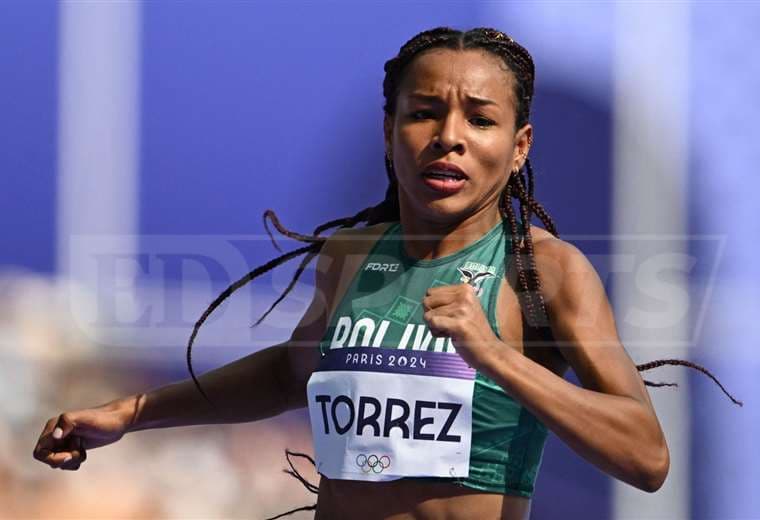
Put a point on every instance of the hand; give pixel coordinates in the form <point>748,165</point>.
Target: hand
<point>455,311</point>
<point>65,439</point>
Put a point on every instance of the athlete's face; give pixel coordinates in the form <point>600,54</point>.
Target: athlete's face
<point>456,107</point>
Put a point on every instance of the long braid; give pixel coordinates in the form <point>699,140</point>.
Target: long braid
<point>662,362</point>
<point>520,64</point>
<point>533,290</point>
<point>223,296</point>
<point>312,252</point>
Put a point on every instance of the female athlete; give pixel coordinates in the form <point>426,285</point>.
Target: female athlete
<point>444,326</point>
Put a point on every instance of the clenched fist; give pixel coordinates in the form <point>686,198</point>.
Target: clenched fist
<point>65,439</point>
<point>455,311</point>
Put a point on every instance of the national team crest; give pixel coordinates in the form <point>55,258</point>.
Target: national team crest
<point>475,274</point>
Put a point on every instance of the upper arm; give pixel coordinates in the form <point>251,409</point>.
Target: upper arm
<point>582,321</point>
<point>303,345</point>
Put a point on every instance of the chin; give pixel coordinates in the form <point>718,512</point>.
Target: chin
<point>441,210</point>
<point>426,204</point>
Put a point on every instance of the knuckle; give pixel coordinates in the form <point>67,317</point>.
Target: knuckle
<point>41,454</point>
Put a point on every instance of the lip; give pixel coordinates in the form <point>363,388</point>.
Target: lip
<point>445,166</point>
<point>444,187</point>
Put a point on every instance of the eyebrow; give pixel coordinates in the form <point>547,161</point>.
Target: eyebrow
<point>436,99</point>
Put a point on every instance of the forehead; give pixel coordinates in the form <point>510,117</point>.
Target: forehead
<point>474,72</point>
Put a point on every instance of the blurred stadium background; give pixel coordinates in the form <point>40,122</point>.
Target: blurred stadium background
<point>140,143</point>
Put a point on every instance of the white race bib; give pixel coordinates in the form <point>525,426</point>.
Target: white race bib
<point>383,414</point>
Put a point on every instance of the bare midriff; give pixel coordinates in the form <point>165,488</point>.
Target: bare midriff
<point>411,500</point>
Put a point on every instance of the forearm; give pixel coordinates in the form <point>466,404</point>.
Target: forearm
<point>616,433</point>
<point>248,389</point>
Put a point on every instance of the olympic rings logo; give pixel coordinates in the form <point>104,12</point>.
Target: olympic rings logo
<point>373,463</point>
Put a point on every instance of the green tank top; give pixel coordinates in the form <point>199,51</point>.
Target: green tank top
<point>507,440</point>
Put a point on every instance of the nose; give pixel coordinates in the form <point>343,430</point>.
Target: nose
<point>450,134</point>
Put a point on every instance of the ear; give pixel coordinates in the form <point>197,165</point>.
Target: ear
<point>523,140</point>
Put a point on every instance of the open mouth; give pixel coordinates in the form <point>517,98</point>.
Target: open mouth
<point>444,175</point>
<point>446,183</point>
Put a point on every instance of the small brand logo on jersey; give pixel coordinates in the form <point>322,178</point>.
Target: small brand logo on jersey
<point>376,266</point>
<point>475,274</point>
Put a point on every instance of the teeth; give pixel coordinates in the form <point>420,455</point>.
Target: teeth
<point>451,175</point>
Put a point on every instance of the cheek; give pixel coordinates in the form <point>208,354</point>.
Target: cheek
<point>409,145</point>
<point>494,154</point>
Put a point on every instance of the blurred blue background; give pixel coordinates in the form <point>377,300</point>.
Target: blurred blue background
<point>142,141</point>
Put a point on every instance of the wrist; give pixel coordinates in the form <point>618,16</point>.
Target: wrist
<point>493,360</point>
<point>130,411</point>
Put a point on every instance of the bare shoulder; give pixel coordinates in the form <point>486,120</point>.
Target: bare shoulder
<point>373,230</point>
<point>380,227</point>
<point>582,319</point>
<point>551,247</point>
<point>560,264</point>
<point>353,240</point>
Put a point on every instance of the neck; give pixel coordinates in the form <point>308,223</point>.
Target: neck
<point>427,239</point>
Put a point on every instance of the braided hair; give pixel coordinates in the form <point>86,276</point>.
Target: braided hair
<point>520,186</point>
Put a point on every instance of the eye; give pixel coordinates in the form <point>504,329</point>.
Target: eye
<point>482,121</point>
<point>419,115</point>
